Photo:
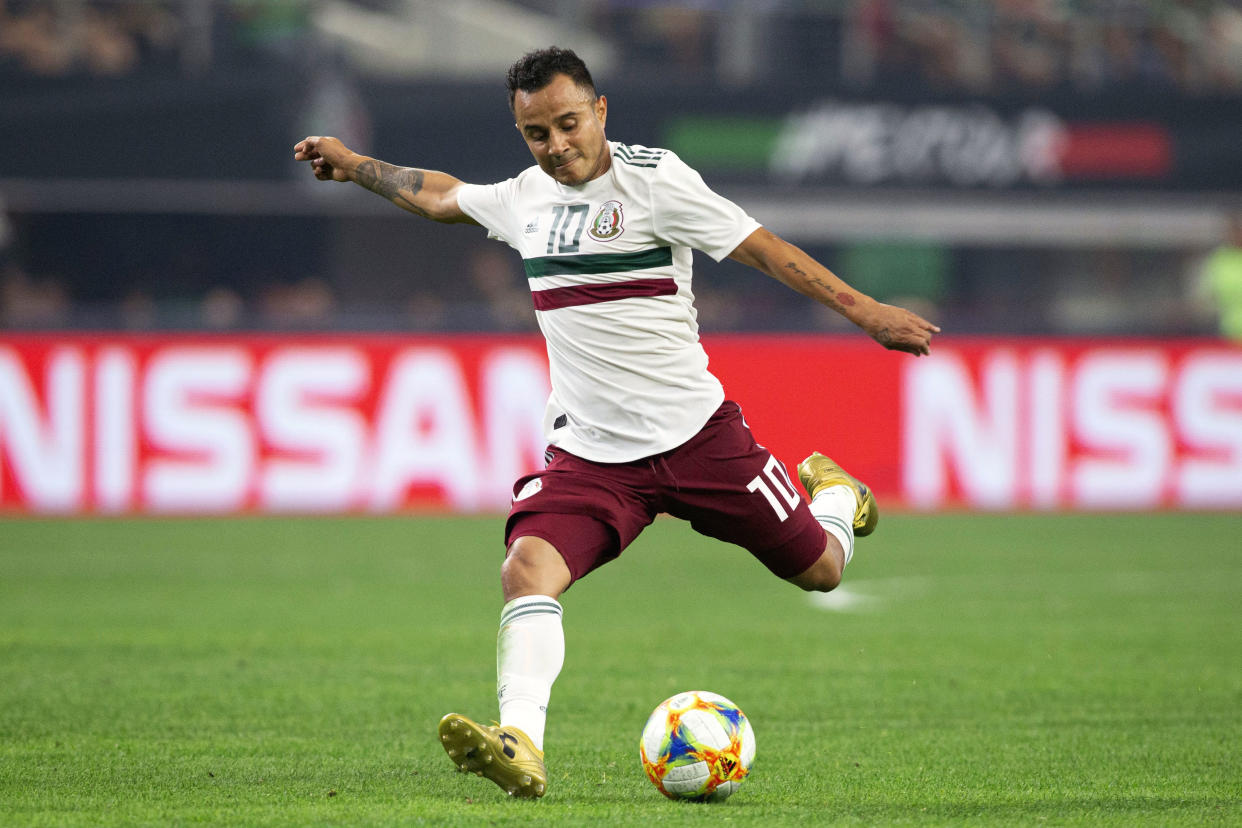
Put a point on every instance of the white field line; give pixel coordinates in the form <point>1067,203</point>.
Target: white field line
<point>870,595</point>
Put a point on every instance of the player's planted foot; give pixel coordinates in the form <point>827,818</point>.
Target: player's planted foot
<point>504,755</point>
<point>818,472</point>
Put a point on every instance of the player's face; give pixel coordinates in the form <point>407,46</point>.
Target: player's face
<point>564,129</point>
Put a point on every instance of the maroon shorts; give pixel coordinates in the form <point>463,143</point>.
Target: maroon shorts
<point>728,486</point>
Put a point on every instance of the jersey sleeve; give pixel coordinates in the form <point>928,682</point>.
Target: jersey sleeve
<point>689,213</point>
<point>491,205</point>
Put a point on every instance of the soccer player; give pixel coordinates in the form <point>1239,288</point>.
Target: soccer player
<point>636,424</point>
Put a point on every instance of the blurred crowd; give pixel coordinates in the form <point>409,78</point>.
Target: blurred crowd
<point>55,38</point>
<point>112,38</point>
<point>1193,45</point>
<point>1010,47</point>
<point>968,45</point>
<point>481,287</point>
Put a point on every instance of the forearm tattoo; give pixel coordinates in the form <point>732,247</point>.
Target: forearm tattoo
<point>837,300</point>
<point>397,184</point>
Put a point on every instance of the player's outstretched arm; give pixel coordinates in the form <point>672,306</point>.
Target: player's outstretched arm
<point>426,193</point>
<point>895,328</point>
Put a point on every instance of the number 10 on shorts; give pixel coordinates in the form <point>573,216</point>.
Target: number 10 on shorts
<point>776,487</point>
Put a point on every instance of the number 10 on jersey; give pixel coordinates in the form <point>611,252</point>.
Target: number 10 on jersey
<point>775,486</point>
<point>566,220</point>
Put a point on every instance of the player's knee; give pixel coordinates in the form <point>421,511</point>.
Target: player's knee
<point>521,562</point>
<point>532,566</point>
<point>822,582</point>
<point>822,576</point>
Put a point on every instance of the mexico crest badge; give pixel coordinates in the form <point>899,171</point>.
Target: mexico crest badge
<point>607,224</point>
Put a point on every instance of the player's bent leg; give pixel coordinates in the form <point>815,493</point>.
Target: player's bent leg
<point>843,505</point>
<point>825,574</point>
<point>503,754</point>
<point>820,475</point>
<point>533,567</point>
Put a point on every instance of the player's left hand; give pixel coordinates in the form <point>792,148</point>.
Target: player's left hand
<point>899,329</point>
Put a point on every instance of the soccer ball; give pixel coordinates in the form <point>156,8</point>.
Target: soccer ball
<point>697,746</point>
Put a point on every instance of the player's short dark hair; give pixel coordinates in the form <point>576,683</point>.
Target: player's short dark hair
<point>535,70</point>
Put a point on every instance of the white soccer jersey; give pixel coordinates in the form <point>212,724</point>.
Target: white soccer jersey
<point>609,267</point>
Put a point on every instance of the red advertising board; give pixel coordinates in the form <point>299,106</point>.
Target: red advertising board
<point>263,423</point>
<point>1005,424</point>
<point>222,424</point>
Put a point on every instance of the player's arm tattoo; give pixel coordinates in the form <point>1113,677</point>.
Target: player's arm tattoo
<point>397,184</point>
<point>836,299</point>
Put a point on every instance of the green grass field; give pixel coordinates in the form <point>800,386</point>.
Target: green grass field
<point>974,670</point>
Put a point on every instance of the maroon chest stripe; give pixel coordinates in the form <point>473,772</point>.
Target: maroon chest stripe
<point>568,297</point>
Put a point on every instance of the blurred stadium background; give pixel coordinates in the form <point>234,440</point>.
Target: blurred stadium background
<point>190,324</point>
<point>1053,181</point>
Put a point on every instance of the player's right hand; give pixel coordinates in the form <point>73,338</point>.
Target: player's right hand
<point>326,154</point>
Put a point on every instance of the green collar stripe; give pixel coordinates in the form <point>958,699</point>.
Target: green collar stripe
<point>598,262</point>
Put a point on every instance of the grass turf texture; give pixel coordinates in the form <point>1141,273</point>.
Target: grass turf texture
<point>977,670</point>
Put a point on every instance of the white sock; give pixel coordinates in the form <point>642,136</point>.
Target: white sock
<point>834,509</point>
<point>530,650</point>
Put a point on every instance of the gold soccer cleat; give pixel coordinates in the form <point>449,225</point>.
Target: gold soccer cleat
<point>504,755</point>
<point>818,472</point>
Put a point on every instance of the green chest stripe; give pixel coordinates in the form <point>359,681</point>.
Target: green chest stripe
<point>598,262</point>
